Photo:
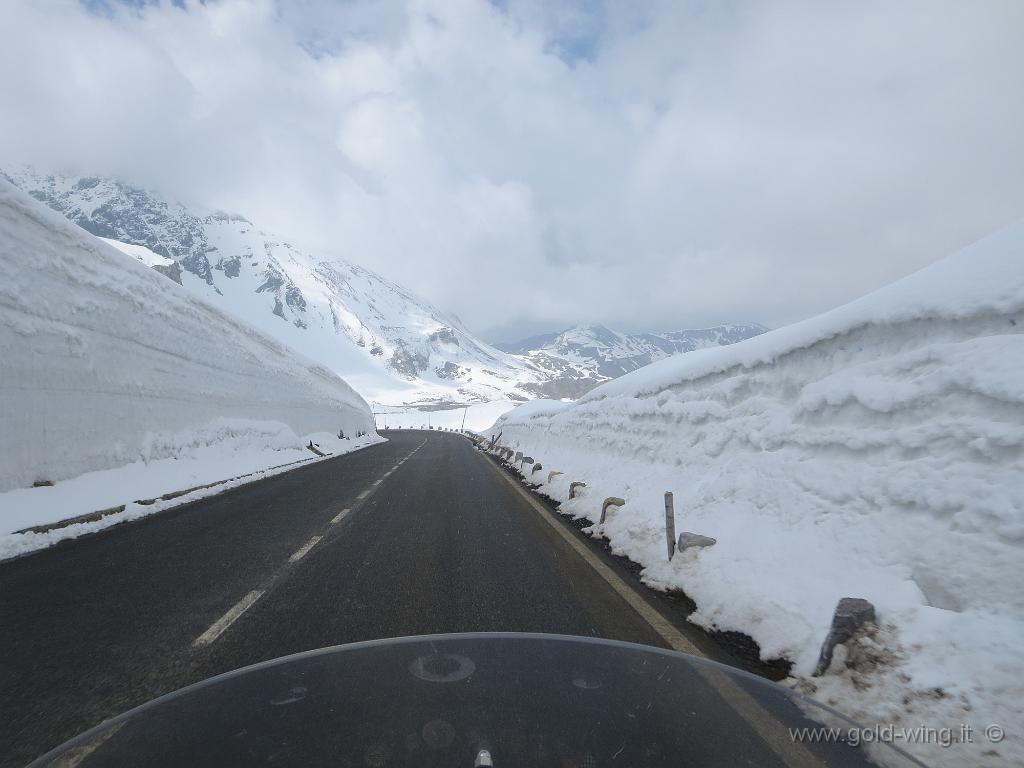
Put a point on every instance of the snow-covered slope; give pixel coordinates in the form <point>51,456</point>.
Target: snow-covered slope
<point>105,362</point>
<point>389,344</point>
<point>875,451</point>
<point>582,357</point>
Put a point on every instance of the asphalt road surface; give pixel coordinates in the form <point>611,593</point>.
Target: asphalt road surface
<point>418,535</point>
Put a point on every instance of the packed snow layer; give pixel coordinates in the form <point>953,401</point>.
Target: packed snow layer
<point>100,354</point>
<point>526,412</point>
<point>229,453</point>
<point>875,451</point>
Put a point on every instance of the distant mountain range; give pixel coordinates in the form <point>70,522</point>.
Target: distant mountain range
<point>583,356</point>
<point>391,345</point>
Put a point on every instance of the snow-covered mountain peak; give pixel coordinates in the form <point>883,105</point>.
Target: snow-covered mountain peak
<point>591,333</point>
<point>392,345</point>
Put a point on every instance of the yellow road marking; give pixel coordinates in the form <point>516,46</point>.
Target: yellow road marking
<point>774,733</point>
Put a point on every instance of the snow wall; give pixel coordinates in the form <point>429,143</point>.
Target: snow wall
<point>104,361</point>
<point>874,451</point>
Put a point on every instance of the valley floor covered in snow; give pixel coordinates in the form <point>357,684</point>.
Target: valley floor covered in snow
<point>471,417</point>
<point>876,451</point>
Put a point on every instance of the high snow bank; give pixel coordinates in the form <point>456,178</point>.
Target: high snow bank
<point>532,409</point>
<point>875,451</point>
<point>982,283</point>
<point>100,354</point>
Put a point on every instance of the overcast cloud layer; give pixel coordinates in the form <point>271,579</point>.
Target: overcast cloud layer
<point>529,165</point>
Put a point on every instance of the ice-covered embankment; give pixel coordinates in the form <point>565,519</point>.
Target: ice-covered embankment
<point>118,384</point>
<point>875,451</point>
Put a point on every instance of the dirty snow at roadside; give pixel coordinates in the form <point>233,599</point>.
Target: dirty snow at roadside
<point>875,451</point>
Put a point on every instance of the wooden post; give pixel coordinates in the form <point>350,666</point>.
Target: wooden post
<point>670,523</point>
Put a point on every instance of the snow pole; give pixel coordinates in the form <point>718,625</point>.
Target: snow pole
<point>670,524</point>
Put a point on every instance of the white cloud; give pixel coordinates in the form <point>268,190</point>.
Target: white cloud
<point>535,165</point>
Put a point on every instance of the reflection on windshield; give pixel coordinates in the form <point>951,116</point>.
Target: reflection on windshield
<point>453,700</point>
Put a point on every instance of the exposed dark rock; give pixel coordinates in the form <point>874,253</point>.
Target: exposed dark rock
<point>447,371</point>
<point>172,270</point>
<point>230,267</point>
<point>272,282</point>
<point>406,363</point>
<point>444,336</point>
<point>294,299</point>
<point>689,540</point>
<point>850,615</point>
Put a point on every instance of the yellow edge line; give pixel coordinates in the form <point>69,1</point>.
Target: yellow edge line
<point>774,733</point>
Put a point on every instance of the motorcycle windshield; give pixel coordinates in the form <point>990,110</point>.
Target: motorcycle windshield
<point>481,699</point>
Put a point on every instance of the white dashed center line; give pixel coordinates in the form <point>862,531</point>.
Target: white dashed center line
<point>340,516</point>
<point>228,618</point>
<point>304,550</point>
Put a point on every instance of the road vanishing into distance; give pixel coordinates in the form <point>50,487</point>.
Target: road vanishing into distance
<point>421,534</point>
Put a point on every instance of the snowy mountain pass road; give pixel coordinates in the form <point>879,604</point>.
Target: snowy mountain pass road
<point>421,534</point>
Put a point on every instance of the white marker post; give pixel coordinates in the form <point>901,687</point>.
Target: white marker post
<point>670,524</point>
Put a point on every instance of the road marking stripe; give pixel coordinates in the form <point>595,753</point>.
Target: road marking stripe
<point>661,625</point>
<point>229,618</point>
<point>301,553</point>
<point>378,482</point>
<point>340,516</point>
<point>774,734</point>
<point>364,494</point>
<point>76,755</point>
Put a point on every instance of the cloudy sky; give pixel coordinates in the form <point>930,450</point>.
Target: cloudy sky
<point>530,164</point>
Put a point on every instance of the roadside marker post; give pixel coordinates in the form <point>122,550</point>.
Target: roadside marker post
<point>670,524</point>
<point>611,501</point>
